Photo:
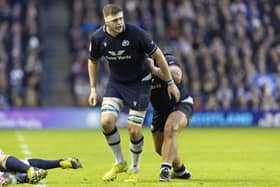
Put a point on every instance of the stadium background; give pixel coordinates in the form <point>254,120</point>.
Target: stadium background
<point>229,49</point>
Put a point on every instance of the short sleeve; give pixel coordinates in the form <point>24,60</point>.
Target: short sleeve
<point>171,60</point>
<point>146,42</point>
<point>94,50</point>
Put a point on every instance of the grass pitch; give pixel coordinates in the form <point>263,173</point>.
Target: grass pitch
<point>216,157</point>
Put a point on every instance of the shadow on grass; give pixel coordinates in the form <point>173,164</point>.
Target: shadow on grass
<point>202,181</point>
<point>227,180</point>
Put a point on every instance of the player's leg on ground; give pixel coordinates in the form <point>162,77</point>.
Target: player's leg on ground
<point>43,164</point>
<point>70,163</point>
<point>109,114</point>
<point>13,164</point>
<point>135,121</point>
<point>176,121</point>
<point>65,163</point>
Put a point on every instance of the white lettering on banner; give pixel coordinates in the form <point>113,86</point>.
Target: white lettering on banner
<point>19,123</point>
<point>270,120</point>
<point>222,119</point>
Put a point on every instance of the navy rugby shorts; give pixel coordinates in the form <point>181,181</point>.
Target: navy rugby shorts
<point>135,95</point>
<point>159,118</point>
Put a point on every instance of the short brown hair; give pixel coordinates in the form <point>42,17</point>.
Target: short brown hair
<point>111,9</point>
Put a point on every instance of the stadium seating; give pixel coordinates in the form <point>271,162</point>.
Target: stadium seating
<point>230,49</point>
<point>20,64</point>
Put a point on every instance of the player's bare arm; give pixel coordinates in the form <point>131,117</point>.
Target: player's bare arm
<point>161,61</point>
<point>92,70</point>
<point>166,75</point>
<point>175,71</point>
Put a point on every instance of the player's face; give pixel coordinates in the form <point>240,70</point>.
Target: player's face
<point>116,25</point>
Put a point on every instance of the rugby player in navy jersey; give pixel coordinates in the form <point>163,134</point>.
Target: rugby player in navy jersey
<point>126,48</point>
<point>169,118</point>
<point>14,170</point>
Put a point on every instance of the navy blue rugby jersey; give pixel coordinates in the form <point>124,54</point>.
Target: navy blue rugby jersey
<point>126,53</point>
<point>159,95</point>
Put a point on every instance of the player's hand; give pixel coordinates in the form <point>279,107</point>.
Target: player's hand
<point>174,91</point>
<point>92,99</point>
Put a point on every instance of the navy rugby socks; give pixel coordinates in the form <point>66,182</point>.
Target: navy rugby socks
<point>181,170</point>
<point>44,164</point>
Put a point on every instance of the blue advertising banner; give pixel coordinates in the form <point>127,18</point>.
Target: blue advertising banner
<point>236,118</point>
<point>50,118</point>
<point>223,118</point>
<point>90,118</point>
<point>268,119</point>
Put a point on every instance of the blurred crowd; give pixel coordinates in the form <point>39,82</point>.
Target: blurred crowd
<point>229,49</point>
<point>20,64</point>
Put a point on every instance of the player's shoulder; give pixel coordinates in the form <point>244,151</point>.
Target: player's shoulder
<point>99,33</point>
<point>133,28</point>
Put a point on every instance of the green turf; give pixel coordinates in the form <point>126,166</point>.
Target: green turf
<point>216,156</point>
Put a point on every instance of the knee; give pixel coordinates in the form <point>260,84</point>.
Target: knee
<point>170,130</point>
<point>107,123</point>
<point>134,132</point>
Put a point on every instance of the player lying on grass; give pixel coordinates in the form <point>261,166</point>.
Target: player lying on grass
<point>14,170</point>
<point>169,118</point>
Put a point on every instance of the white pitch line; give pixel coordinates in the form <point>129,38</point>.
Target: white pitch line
<point>27,153</point>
